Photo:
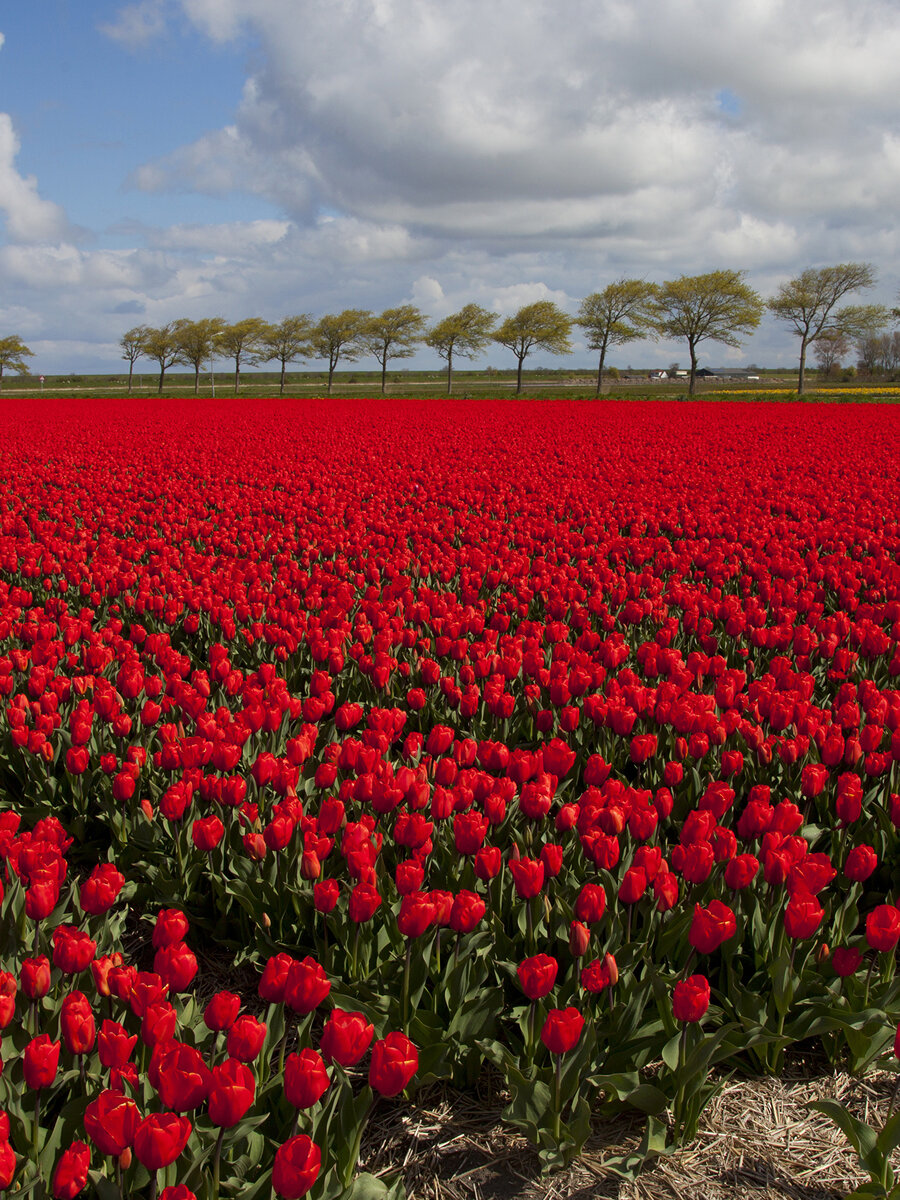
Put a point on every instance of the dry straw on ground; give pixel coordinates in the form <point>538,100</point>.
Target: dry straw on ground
<point>758,1140</point>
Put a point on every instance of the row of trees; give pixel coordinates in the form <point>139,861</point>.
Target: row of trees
<point>719,306</point>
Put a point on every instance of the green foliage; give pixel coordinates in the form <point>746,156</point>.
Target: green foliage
<point>337,336</point>
<point>393,334</point>
<point>290,339</point>
<point>717,307</point>
<point>621,313</point>
<point>465,333</point>
<point>807,303</point>
<point>542,325</point>
<point>244,341</point>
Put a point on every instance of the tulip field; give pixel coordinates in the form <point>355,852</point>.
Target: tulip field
<point>558,741</point>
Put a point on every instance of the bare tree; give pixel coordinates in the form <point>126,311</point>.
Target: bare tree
<point>829,349</point>
<point>877,352</point>
<point>132,344</point>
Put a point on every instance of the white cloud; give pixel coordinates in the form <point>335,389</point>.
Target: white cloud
<point>502,153</point>
<point>29,218</point>
<point>507,123</point>
<point>137,24</point>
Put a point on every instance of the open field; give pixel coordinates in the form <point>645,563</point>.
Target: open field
<point>387,787</point>
<point>772,386</point>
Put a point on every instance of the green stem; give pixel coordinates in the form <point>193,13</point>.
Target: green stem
<point>353,1158</point>
<point>36,1130</point>
<point>180,854</point>
<point>556,1099</point>
<point>406,967</point>
<point>217,1159</point>
<point>868,979</point>
<point>679,1094</point>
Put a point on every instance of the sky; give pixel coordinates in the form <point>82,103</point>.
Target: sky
<point>162,159</point>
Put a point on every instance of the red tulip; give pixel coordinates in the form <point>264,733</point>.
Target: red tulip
<point>231,1094</point>
<point>296,1168</point>
<point>883,927</point>
<point>176,964</point>
<point>71,1174</point>
<point>528,876</point>
<point>467,911</point>
<point>562,1029</point>
<point>305,1078</point>
<point>7,1164</point>
<point>99,891</point>
<point>72,949</point>
<point>417,914</point>
<point>160,1139</point>
<point>40,1062</point>
<point>8,989</point>
<point>221,1011</point>
<point>306,986</point>
<point>181,1076</point>
<point>711,926</point>
<point>76,1023</point>
<point>537,975</point>
<point>171,928</point>
<point>690,999</point>
<point>111,1122</point>
<point>245,1038</point>
<point>34,977</point>
<point>590,904</point>
<point>114,1045</point>
<point>274,978</point>
<point>395,1061</point>
<point>846,960</point>
<point>346,1037</point>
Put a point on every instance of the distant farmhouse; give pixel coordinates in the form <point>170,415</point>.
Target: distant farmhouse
<point>735,373</point>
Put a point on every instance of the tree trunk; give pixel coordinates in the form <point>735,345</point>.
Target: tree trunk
<point>332,363</point>
<point>237,375</point>
<point>383,374</point>
<point>801,376</point>
<point>196,379</point>
<point>281,389</point>
<point>162,375</point>
<point>600,370</point>
<point>449,371</point>
<point>693,384</point>
<point>130,376</point>
<point>519,375</point>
